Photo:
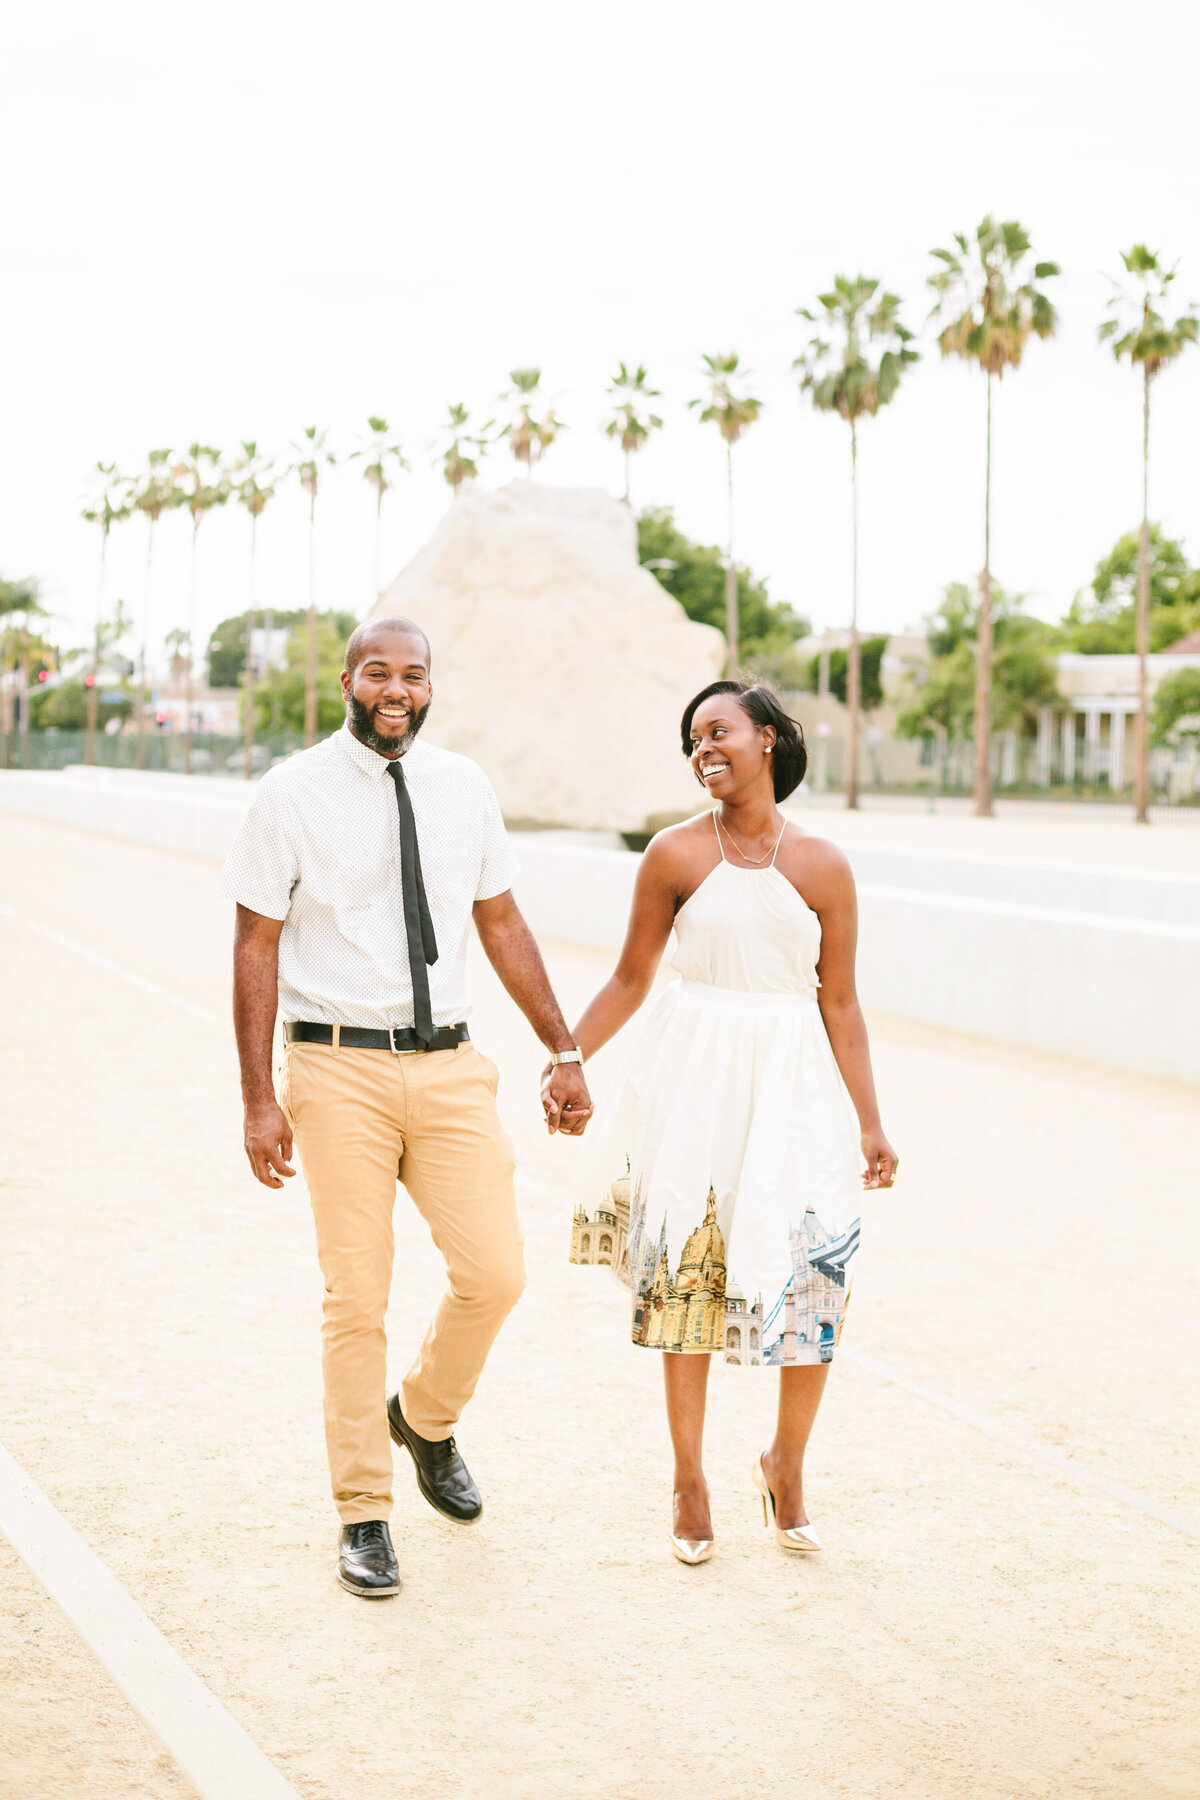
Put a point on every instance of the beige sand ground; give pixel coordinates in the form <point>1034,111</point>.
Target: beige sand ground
<point>976,1629</point>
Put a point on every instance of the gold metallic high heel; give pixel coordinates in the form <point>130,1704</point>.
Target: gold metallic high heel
<point>796,1537</point>
<point>692,1550</point>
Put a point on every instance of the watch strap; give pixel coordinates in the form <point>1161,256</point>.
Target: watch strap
<point>567,1056</point>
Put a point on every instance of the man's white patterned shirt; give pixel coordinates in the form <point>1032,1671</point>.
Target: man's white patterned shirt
<point>320,849</point>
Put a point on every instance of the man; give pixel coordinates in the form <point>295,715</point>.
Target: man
<point>357,873</point>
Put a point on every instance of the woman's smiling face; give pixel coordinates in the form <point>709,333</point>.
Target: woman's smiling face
<point>729,751</point>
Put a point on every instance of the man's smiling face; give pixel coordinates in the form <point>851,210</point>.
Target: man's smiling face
<point>387,689</point>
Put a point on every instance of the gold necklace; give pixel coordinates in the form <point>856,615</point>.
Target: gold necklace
<point>738,847</point>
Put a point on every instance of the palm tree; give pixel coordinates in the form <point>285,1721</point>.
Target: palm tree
<point>111,503</point>
<point>18,645</point>
<point>312,456</point>
<point>628,389</point>
<point>385,458</point>
<point>843,377</point>
<point>1138,330</point>
<point>204,485</point>
<point>989,290</point>
<point>732,414</point>
<point>254,485</point>
<point>153,492</point>
<point>528,438</point>
<point>457,466</point>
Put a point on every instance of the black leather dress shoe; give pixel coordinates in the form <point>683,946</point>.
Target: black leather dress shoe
<point>366,1561</point>
<point>442,1475</point>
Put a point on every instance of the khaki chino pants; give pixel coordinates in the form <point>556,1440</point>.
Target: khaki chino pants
<point>363,1119</point>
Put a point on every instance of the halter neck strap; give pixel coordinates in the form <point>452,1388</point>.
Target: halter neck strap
<point>720,846</point>
<point>778,841</point>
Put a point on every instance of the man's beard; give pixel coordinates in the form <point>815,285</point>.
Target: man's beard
<point>364,730</point>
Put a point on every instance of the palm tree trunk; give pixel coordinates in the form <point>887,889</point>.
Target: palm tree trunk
<point>310,656</point>
<point>25,710</point>
<point>983,661</point>
<point>731,581</point>
<point>141,699</point>
<point>1142,747</point>
<point>627,478</point>
<point>853,662</point>
<point>378,534</point>
<point>248,673</point>
<point>191,639</point>
<point>89,754</point>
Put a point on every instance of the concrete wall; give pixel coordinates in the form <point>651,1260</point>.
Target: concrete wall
<point>1088,962</point>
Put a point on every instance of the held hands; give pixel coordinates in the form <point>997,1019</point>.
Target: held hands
<point>268,1140</point>
<point>882,1161</point>
<point>565,1099</point>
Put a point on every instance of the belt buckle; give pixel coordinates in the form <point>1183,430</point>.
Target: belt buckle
<point>392,1045</point>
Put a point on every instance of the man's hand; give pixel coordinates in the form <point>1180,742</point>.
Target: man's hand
<point>565,1098</point>
<point>268,1140</point>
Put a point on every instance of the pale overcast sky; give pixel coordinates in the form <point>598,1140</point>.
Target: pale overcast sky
<point>237,220</point>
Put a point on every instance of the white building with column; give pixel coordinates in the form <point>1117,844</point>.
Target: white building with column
<point>1088,737</point>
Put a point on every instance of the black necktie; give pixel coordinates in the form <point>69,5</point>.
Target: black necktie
<point>418,926</point>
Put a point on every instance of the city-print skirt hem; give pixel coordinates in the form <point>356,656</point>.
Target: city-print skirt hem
<point>725,1185</point>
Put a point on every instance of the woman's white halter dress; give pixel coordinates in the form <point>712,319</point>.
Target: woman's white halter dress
<point>734,1217</point>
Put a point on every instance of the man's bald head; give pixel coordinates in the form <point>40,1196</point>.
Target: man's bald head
<point>370,634</point>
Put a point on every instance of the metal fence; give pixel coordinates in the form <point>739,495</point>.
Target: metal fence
<point>163,751</point>
<point>892,770</point>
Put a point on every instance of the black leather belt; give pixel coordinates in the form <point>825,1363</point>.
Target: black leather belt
<point>402,1039</point>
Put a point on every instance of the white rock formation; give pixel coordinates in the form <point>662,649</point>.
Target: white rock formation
<point>559,664</point>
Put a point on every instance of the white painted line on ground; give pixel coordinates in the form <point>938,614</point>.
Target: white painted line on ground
<point>1061,1465</point>
<point>113,968</point>
<point>221,1761</point>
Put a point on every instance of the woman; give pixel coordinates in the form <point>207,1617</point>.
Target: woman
<point>734,1107</point>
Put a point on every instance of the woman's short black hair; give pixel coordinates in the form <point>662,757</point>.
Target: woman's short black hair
<point>789,757</point>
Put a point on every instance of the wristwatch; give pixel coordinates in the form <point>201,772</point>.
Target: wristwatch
<point>566,1056</point>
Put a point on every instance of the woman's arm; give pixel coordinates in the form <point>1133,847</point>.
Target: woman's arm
<point>836,904</point>
<point>655,897</point>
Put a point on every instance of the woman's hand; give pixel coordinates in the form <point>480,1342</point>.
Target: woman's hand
<point>565,1099</point>
<point>882,1161</point>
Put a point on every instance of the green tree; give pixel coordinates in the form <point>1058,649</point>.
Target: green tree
<point>253,478</point>
<point>312,459</point>
<point>109,504</point>
<point>694,574</point>
<point>227,650</point>
<point>281,698</point>
<point>383,458</point>
<point>67,706</point>
<point>21,648</point>
<point>852,367</point>
<point>940,695</point>
<point>529,438</point>
<point>988,291</point>
<point>870,661</point>
<point>155,491</point>
<point>1177,706</point>
<point>732,414</point>
<point>457,464</point>
<point>1102,618</point>
<point>1139,331</point>
<point>629,388</point>
<point>204,485</point>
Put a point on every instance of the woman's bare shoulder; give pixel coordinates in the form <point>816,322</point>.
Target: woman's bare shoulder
<point>815,864</point>
<point>673,853</point>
